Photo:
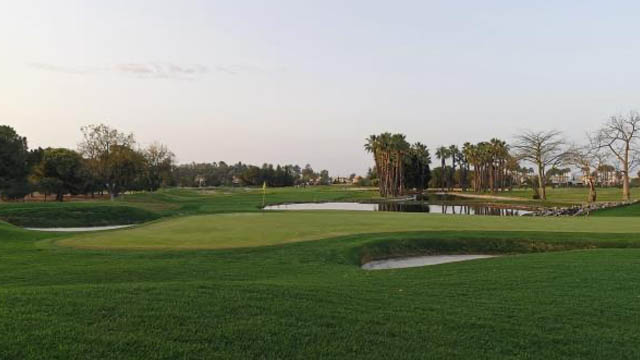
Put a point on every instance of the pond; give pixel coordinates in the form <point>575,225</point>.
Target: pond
<point>406,207</point>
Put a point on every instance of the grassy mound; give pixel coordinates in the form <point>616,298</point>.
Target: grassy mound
<point>385,246</point>
<point>145,206</point>
<point>75,216</point>
<point>621,211</point>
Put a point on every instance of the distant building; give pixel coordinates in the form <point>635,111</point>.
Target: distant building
<point>200,181</point>
<point>605,179</point>
<point>340,180</point>
<point>566,179</point>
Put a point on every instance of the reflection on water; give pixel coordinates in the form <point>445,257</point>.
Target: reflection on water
<point>405,207</point>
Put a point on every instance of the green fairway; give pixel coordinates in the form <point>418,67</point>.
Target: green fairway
<point>141,207</point>
<point>214,277</point>
<point>622,211</point>
<point>311,299</point>
<point>269,228</point>
<point>573,195</point>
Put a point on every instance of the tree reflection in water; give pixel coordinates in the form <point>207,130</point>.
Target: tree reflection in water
<point>450,209</point>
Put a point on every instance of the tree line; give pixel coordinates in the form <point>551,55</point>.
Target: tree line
<point>398,164</point>
<point>112,162</point>
<point>222,174</point>
<point>495,165</point>
<point>107,160</point>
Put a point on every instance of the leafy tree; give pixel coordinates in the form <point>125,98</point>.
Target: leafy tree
<point>60,172</point>
<point>308,175</point>
<point>14,164</point>
<point>324,177</point>
<point>110,156</point>
<point>127,167</point>
<point>158,166</point>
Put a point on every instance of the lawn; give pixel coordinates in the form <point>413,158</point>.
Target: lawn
<point>213,283</point>
<point>574,195</point>
<point>621,211</point>
<point>142,207</point>
<point>270,228</point>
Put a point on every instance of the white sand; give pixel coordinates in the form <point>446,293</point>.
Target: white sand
<point>81,229</point>
<point>417,261</point>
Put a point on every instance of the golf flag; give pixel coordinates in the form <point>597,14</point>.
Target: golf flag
<point>264,192</point>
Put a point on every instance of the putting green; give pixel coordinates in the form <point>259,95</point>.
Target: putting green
<point>261,229</point>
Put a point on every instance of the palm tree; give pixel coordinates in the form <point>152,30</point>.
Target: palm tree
<point>399,148</point>
<point>420,153</point>
<point>463,160</point>
<point>470,152</point>
<point>372,145</point>
<point>442,153</point>
<point>389,151</point>
<point>454,154</point>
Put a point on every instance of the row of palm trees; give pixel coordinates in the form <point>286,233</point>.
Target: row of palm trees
<point>493,165</point>
<point>388,151</point>
<point>494,169</point>
<point>398,164</point>
<point>447,175</point>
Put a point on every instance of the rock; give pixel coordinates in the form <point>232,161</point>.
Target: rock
<point>581,210</point>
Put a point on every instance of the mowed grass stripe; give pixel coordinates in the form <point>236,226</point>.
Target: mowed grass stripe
<point>271,228</point>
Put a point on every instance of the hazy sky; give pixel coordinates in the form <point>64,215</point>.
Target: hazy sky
<point>306,81</point>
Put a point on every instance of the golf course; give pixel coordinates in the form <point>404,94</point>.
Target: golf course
<point>208,274</point>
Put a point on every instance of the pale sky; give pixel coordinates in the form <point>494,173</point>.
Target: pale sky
<point>307,81</point>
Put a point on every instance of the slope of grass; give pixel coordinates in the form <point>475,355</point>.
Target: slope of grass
<point>311,299</point>
<point>142,207</point>
<point>269,228</point>
<point>70,216</point>
<point>622,211</point>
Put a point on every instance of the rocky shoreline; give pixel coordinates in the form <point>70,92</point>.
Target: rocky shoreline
<point>580,210</point>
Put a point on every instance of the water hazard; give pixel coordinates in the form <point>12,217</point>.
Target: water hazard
<point>416,206</point>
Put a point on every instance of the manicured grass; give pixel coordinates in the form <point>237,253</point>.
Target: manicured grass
<point>574,195</point>
<point>70,216</point>
<point>622,211</point>
<point>233,282</point>
<point>311,299</point>
<point>141,207</point>
<point>269,228</point>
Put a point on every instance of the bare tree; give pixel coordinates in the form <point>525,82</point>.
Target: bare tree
<point>589,159</point>
<point>619,135</point>
<point>544,149</point>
